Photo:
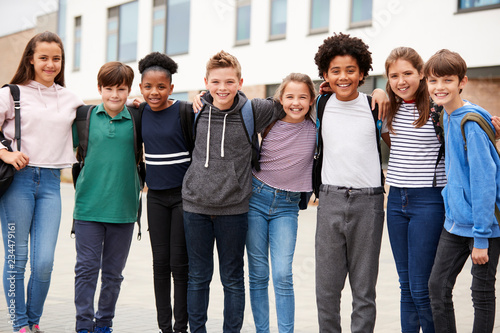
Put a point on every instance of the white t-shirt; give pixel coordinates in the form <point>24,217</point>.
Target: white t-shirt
<point>350,148</point>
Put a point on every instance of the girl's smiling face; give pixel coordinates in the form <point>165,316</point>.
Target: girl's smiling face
<point>404,79</point>
<point>46,61</point>
<point>296,100</point>
<point>156,87</point>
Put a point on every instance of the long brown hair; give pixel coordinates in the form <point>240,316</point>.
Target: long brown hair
<point>300,78</point>
<point>25,71</point>
<point>422,95</point>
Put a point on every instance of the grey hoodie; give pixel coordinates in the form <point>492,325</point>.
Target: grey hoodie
<point>219,179</point>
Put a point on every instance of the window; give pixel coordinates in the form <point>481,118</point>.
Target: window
<point>320,16</point>
<point>243,22</point>
<point>122,33</point>
<point>61,20</point>
<point>178,19</point>
<point>77,43</point>
<point>171,26</point>
<point>361,12</point>
<point>159,24</point>
<point>278,19</point>
<point>472,5</point>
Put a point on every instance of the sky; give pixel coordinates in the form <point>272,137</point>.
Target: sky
<point>18,15</point>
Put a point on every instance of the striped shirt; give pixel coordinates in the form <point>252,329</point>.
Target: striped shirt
<point>286,156</point>
<point>414,151</point>
<point>167,157</point>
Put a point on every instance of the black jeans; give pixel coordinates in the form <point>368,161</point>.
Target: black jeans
<point>168,243</point>
<point>452,253</point>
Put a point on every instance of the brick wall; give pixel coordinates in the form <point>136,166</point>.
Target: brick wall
<point>484,92</point>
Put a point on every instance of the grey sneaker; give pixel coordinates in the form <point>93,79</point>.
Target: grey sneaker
<point>25,329</point>
<point>36,329</point>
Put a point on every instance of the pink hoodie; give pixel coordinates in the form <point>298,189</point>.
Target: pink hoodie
<point>47,114</point>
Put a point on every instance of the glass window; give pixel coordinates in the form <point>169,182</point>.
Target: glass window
<point>128,32</point>
<point>361,11</point>
<point>159,25</point>
<point>61,20</point>
<point>180,96</point>
<point>77,43</point>
<point>479,4</point>
<point>178,19</point>
<point>243,22</point>
<point>278,19</point>
<point>122,32</point>
<point>320,15</point>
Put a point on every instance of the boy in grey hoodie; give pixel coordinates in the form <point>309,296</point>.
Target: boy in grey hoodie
<point>216,192</point>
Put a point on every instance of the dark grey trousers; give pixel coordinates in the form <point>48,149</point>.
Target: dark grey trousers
<point>348,238</point>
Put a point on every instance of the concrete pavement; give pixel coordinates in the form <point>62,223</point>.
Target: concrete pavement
<point>136,310</point>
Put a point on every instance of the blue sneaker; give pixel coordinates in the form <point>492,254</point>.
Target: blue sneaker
<point>104,329</point>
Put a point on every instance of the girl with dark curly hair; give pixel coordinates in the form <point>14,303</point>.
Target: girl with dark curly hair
<point>167,159</point>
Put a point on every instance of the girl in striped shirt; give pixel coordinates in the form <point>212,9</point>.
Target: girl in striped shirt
<point>285,171</point>
<point>416,175</point>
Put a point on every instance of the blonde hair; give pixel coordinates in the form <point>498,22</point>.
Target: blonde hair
<point>223,60</point>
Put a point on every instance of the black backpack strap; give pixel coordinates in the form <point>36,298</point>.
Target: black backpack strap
<point>136,116</point>
<point>436,114</point>
<point>16,96</point>
<point>82,122</point>
<point>318,156</point>
<point>378,133</point>
<point>186,115</point>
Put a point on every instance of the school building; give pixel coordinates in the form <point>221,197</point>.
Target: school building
<point>272,38</point>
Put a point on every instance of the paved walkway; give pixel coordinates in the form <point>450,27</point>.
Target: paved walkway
<point>136,311</point>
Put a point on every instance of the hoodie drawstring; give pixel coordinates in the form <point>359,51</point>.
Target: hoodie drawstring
<point>223,135</point>
<point>208,137</point>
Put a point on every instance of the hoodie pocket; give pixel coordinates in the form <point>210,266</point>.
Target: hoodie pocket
<point>458,208</point>
<point>216,185</point>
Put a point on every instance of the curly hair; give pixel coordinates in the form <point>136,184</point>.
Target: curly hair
<point>156,61</point>
<point>341,45</point>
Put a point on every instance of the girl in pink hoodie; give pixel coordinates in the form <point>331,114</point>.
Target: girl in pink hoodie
<point>30,210</point>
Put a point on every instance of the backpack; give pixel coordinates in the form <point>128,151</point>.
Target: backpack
<point>483,123</point>
<point>318,156</point>
<point>248,121</point>
<point>82,123</point>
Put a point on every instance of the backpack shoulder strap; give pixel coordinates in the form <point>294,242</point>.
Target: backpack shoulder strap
<point>472,116</point>
<point>187,120</point>
<point>82,122</point>
<point>378,132</point>
<point>16,96</point>
<point>248,119</point>
<point>136,114</point>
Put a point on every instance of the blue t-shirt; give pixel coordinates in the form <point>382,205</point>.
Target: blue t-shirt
<point>167,157</point>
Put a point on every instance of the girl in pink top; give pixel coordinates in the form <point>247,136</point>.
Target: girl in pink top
<point>30,210</point>
<point>285,171</point>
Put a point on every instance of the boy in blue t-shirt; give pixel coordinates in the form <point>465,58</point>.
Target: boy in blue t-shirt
<point>473,190</point>
<point>106,201</point>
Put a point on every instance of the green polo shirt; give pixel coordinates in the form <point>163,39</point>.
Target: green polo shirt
<point>107,189</point>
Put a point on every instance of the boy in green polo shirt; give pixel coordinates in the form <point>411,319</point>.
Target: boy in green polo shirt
<point>106,201</point>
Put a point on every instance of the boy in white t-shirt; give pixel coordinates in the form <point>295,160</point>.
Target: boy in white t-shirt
<point>349,186</point>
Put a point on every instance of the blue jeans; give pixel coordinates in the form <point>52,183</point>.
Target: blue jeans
<point>229,231</point>
<point>452,253</point>
<point>415,218</point>
<point>30,211</point>
<point>105,247</point>
<point>272,226</point>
